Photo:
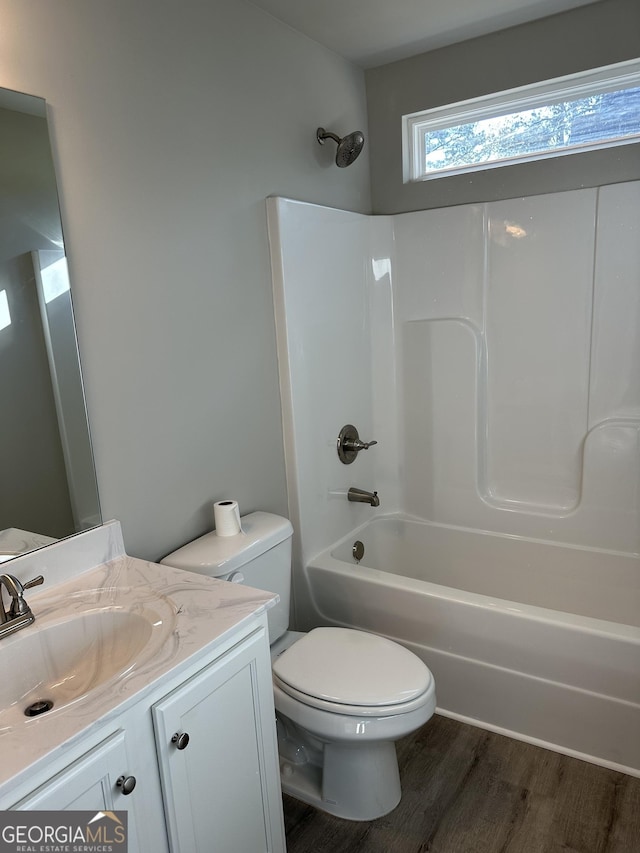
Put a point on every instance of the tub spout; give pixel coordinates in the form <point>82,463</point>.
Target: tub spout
<point>360,496</point>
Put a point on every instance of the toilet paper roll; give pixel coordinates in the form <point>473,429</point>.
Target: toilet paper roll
<point>226,517</point>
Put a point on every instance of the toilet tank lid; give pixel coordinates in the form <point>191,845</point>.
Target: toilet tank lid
<point>215,555</point>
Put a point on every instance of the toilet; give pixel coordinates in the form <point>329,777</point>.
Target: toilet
<point>342,696</point>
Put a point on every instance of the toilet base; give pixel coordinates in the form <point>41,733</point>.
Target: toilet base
<point>355,782</point>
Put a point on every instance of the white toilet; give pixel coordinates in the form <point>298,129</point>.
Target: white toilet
<point>342,697</point>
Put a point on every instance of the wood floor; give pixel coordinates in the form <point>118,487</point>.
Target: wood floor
<point>465,790</point>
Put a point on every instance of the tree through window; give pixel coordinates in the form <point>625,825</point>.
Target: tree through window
<point>579,113</point>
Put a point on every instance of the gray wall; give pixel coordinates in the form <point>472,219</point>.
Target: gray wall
<point>589,37</point>
<point>171,122</point>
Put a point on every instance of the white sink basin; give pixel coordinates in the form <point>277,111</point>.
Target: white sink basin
<point>62,658</point>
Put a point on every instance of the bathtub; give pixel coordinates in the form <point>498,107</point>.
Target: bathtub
<point>531,639</point>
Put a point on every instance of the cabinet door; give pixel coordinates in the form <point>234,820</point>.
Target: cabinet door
<point>222,791</point>
<point>89,784</point>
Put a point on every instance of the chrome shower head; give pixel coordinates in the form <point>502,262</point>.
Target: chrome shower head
<point>349,147</point>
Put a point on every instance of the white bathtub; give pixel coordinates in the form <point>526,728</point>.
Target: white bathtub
<point>531,639</point>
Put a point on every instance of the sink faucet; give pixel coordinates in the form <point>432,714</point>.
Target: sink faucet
<point>360,496</point>
<point>19,614</point>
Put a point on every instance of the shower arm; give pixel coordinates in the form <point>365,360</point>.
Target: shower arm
<point>322,134</point>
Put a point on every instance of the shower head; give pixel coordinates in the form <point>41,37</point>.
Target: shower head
<point>349,147</point>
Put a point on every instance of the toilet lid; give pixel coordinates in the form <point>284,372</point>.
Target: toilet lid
<point>351,667</point>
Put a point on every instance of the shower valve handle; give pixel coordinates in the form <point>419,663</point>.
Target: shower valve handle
<point>349,444</point>
<point>358,445</point>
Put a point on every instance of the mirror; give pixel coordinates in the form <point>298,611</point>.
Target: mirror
<point>48,487</point>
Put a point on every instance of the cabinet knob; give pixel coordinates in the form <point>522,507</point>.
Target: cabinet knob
<point>181,740</point>
<point>126,784</point>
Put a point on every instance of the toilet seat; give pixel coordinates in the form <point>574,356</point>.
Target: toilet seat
<point>351,672</point>
<point>350,710</point>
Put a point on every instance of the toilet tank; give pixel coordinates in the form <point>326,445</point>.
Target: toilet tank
<point>260,556</point>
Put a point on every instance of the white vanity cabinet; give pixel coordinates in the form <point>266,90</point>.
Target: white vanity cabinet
<point>95,781</point>
<point>88,783</point>
<point>220,792</point>
<point>218,757</point>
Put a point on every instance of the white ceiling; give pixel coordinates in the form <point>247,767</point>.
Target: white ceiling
<point>374,32</point>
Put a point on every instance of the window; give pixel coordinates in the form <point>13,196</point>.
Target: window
<point>582,112</point>
<point>5,316</point>
<point>55,279</point>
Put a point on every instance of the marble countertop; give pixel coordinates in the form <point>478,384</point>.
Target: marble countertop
<point>192,614</point>
<point>14,541</point>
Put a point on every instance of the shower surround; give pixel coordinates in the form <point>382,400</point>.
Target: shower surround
<point>493,351</point>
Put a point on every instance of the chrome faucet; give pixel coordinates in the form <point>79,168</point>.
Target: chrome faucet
<point>19,614</point>
<point>360,496</point>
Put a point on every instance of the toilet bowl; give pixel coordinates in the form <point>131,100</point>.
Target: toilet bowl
<point>342,696</point>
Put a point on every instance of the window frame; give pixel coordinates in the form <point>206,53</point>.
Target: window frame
<point>611,78</point>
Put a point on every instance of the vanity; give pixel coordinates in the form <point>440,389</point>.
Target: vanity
<point>162,703</point>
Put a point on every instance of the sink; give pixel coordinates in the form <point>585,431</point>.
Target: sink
<point>64,657</point>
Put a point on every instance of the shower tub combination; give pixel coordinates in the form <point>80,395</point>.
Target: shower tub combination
<point>535,640</point>
<point>491,349</point>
